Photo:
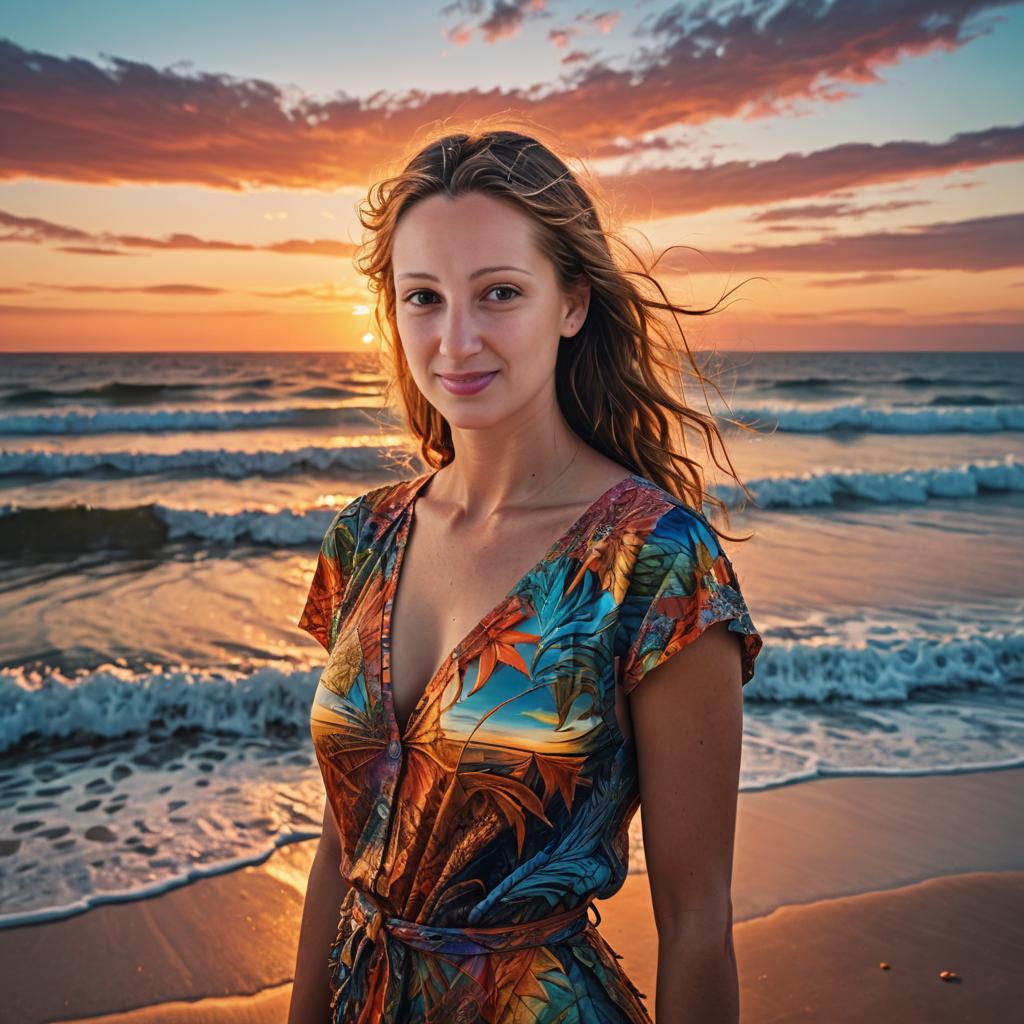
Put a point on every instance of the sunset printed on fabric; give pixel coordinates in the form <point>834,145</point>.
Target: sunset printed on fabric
<point>476,842</point>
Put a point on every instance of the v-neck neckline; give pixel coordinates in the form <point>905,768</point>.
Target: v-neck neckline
<point>405,518</point>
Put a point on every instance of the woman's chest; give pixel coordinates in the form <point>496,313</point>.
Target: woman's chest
<point>534,674</point>
<point>439,603</point>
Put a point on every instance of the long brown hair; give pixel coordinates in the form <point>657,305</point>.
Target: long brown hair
<point>619,380</point>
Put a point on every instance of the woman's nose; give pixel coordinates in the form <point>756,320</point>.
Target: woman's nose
<point>460,335</point>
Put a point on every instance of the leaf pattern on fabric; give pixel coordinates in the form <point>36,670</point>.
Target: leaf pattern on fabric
<point>506,802</point>
<point>560,775</point>
<point>335,564</point>
<point>496,643</point>
<point>684,582</point>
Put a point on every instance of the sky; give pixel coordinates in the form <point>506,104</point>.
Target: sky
<point>186,176</point>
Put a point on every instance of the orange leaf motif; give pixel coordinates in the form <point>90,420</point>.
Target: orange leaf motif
<point>561,774</point>
<point>612,558</point>
<point>497,646</point>
<point>510,797</point>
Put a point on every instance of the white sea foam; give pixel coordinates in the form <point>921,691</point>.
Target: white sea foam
<point>130,819</point>
<point>283,529</point>
<point>888,669</point>
<point>111,701</point>
<point>913,420</point>
<point>137,815</point>
<point>789,417</point>
<point>294,527</point>
<point>914,486</point>
<point>129,421</point>
<point>215,461</point>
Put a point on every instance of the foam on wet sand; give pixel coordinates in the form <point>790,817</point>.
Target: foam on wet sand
<point>831,878</point>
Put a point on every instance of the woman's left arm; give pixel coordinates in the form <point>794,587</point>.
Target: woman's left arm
<point>687,720</point>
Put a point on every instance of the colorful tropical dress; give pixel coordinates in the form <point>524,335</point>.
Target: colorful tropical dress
<point>476,841</point>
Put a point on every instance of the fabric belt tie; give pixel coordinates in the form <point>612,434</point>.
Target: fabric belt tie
<point>469,941</point>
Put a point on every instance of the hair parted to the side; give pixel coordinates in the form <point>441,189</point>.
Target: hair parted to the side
<point>620,379</point>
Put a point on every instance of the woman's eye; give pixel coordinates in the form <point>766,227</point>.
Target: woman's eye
<point>512,294</point>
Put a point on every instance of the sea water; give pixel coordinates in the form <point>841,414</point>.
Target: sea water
<point>159,522</point>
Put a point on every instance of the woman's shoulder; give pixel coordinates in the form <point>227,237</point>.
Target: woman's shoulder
<point>679,581</point>
<point>650,511</point>
<point>383,500</point>
<point>367,510</point>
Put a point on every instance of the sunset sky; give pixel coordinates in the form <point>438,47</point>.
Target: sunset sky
<point>185,176</point>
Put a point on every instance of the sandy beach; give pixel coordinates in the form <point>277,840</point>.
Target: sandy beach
<point>831,878</point>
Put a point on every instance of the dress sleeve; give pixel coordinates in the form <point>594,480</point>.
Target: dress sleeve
<point>334,565</point>
<point>681,583</point>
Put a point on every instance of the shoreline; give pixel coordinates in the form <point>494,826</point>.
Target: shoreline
<point>830,877</point>
<point>55,914</point>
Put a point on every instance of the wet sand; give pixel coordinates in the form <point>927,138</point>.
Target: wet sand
<point>830,878</point>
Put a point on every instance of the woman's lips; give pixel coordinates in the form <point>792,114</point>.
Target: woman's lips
<point>466,383</point>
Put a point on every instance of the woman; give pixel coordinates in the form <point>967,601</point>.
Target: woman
<point>482,737</point>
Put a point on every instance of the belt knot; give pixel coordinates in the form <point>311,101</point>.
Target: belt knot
<point>375,923</point>
<point>562,927</point>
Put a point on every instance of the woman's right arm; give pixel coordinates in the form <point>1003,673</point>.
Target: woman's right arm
<point>325,890</point>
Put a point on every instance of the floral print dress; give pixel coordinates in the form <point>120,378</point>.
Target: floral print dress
<point>476,840</point>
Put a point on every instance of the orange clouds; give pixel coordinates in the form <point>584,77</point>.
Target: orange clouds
<point>983,243</point>
<point>670,191</point>
<point>34,229</point>
<point>130,122</point>
<point>150,289</point>
<point>113,120</point>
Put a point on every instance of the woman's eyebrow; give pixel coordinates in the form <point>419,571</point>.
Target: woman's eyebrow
<point>475,274</point>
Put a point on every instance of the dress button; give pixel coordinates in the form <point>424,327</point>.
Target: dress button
<point>382,809</point>
<point>394,749</point>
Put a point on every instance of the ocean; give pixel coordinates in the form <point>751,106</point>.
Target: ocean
<point>159,522</point>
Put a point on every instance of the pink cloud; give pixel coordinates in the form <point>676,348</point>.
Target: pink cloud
<point>980,244</point>
<point>670,191</point>
<point>809,210</point>
<point>503,20</point>
<point>152,289</point>
<point>883,277</point>
<point>76,121</point>
<point>39,231</point>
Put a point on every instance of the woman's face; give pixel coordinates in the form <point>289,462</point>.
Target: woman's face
<point>474,295</point>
